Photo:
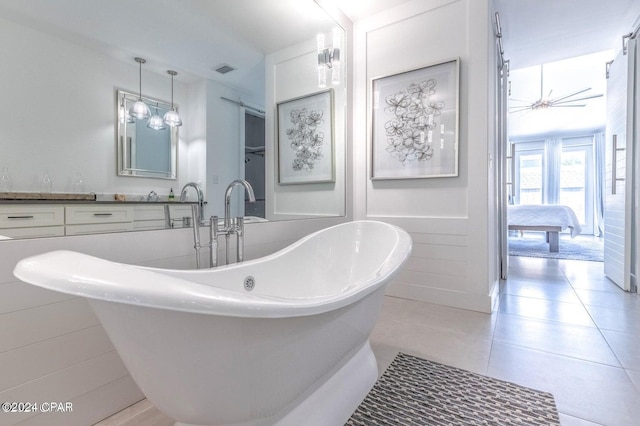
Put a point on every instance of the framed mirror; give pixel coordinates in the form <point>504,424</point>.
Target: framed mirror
<point>270,54</point>
<point>144,151</point>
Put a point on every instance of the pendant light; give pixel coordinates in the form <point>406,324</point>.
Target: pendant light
<point>155,122</point>
<point>140,110</point>
<point>171,118</point>
<point>123,114</point>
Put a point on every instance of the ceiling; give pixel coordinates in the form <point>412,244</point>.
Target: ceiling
<point>195,36</point>
<point>190,36</point>
<point>540,31</point>
<point>574,39</point>
<point>201,34</point>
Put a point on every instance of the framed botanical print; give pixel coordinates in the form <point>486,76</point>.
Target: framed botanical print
<point>305,139</point>
<point>414,123</point>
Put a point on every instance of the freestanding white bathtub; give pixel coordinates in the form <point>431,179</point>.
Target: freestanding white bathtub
<point>207,349</point>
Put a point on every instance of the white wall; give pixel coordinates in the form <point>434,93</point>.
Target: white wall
<point>58,113</point>
<point>293,73</point>
<point>450,219</point>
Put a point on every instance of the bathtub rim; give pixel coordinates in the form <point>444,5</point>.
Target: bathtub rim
<point>177,294</point>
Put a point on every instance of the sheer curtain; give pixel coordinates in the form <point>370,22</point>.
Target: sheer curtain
<point>599,173</point>
<point>552,163</point>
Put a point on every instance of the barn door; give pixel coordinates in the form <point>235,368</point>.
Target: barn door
<point>619,170</point>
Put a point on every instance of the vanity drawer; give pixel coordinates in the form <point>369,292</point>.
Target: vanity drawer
<point>35,232</point>
<point>180,211</point>
<point>80,215</point>
<point>153,212</point>
<point>149,217</point>
<point>24,216</point>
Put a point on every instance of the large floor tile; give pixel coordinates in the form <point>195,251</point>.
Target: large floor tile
<point>616,299</point>
<point>626,347</point>
<point>142,413</point>
<point>518,264</point>
<point>588,275</point>
<point>587,390</point>
<point>635,378</point>
<point>557,291</point>
<point>623,320</point>
<point>439,317</point>
<point>568,313</point>
<point>456,349</point>
<point>563,339</point>
<point>567,420</point>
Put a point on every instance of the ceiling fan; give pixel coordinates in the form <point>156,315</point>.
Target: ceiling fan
<point>565,101</point>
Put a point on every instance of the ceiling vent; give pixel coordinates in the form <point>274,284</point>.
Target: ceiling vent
<point>223,69</point>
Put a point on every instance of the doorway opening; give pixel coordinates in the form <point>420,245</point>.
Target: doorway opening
<point>254,161</point>
<point>554,160</point>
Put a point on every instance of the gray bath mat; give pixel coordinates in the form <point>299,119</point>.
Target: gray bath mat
<point>414,391</point>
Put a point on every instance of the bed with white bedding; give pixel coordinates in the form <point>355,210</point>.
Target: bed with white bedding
<point>551,219</point>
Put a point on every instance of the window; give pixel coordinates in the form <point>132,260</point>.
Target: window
<point>557,171</point>
<point>529,183</point>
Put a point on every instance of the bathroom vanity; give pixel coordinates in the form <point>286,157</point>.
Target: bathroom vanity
<point>73,215</point>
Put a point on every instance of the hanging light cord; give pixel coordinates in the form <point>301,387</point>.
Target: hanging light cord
<point>172,73</point>
<point>140,61</point>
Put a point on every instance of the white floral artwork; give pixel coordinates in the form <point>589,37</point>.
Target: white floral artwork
<point>305,139</point>
<point>415,123</point>
<point>414,115</point>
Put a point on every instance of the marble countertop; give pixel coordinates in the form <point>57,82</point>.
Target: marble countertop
<point>57,198</point>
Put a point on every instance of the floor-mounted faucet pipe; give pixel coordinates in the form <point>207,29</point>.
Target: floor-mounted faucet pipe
<point>196,233</point>
<point>213,242</point>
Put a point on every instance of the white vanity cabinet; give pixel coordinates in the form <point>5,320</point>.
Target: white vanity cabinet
<point>98,219</point>
<point>147,217</point>
<point>31,221</point>
<point>24,220</point>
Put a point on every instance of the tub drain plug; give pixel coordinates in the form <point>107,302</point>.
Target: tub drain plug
<point>249,283</point>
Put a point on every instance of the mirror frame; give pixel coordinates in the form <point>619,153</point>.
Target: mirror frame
<point>124,97</point>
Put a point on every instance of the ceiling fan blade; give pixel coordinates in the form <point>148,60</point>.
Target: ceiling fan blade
<point>573,94</point>
<point>549,95</point>
<point>568,106</point>
<point>578,99</point>
<point>518,109</point>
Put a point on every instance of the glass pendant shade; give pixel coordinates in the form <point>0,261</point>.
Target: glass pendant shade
<point>172,118</point>
<point>156,122</point>
<point>140,110</point>
<point>124,115</point>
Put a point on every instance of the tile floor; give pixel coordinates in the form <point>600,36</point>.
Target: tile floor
<point>560,326</point>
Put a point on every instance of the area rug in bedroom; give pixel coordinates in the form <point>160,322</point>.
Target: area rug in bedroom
<point>533,244</point>
<point>415,391</point>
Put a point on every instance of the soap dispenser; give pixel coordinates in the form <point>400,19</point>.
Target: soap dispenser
<point>171,196</point>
